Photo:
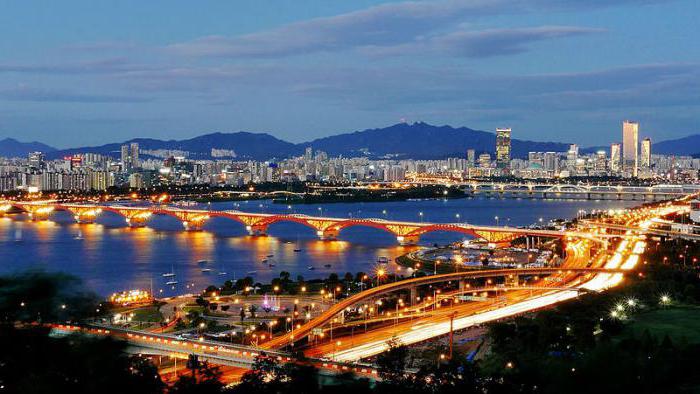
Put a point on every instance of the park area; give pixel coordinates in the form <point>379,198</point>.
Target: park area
<point>681,323</point>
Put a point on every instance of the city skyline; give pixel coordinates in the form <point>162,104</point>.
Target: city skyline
<point>95,73</point>
<point>374,197</point>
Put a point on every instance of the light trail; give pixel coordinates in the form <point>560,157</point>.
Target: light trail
<point>626,257</point>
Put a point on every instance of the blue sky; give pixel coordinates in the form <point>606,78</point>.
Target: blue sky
<point>89,72</point>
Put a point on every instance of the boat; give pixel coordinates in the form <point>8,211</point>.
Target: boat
<point>271,265</point>
<point>171,273</point>
<point>327,265</point>
<point>171,283</point>
<point>382,260</point>
<point>202,262</point>
<point>264,261</point>
<point>252,272</point>
<point>270,255</point>
<point>298,248</point>
<point>311,268</point>
<point>222,273</point>
<point>206,270</point>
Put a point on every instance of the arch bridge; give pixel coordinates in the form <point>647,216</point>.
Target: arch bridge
<point>327,228</point>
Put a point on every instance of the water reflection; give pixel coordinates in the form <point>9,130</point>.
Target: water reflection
<point>110,257</point>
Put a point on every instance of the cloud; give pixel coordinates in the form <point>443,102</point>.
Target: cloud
<point>101,46</point>
<point>101,66</point>
<point>25,93</point>
<point>483,43</point>
<point>379,25</point>
<point>385,25</point>
<point>377,89</point>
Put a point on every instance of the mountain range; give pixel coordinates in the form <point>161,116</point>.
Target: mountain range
<point>10,147</point>
<point>401,141</point>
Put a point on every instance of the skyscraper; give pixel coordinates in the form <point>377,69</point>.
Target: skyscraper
<point>471,157</point>
<point>503,147</point>
<point>630,147</point>
<point>130,156</point>
<point>645,157</point>
<point>125,158</point>
<point>551,162</point>
<point>615,158</point>
<point>134,154</point>
<point>600,162</point>
<point>36,160</point>
<point>484,160</point>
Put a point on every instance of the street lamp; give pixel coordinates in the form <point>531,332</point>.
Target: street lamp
<point>335,348</point>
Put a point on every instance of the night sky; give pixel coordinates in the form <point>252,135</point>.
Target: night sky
<point>89,72</point>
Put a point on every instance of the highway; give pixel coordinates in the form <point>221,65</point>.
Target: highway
<point>378,291</point>
<point>609,274</point>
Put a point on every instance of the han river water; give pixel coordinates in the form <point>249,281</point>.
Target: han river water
<point>109,257</point>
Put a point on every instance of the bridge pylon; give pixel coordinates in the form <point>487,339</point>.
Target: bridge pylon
<point>193,222</point>
<point>257,229</point>
<point>5,208</point>
<point>408,240</point>
<point>85,215</point>
<point>138,219</point>
<point>328,234</point>
<point>39,212</point>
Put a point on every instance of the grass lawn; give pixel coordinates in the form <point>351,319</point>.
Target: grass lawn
<point>189,308</point>
<point>676,322</point>
<point>148,314</point>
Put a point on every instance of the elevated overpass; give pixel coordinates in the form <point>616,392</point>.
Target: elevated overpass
<point>328,315</point>
<point>215,352</point>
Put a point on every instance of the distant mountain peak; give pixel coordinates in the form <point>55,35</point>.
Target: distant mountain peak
<point>403,140</point>
<point>10,147</point>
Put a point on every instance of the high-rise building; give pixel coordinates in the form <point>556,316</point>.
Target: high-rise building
<point>630,147</point>
<point>484,160</point>
<point>125,158</point>
<point>645,156</point>
<point>551,162</point>
<point>503,147</point>
<point>130,156</point>
<point>600,162</point>
<point>309,153</point>
<point>571,157</point>
<point>36,160</point>
<point>535,159</point>
<point>615,158</point>
<point>471,157</point>
<point>134,154</point>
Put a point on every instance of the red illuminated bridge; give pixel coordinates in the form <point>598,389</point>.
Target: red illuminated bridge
<point>327,228</point>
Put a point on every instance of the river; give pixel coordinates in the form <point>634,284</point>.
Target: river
<point>110,257</point>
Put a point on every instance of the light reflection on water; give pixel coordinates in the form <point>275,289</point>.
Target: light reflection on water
<point>111,257</point>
